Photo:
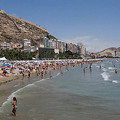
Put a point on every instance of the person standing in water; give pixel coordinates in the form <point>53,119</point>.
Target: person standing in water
<point>84,69</point>
<point>14,106</point>
<point>90,67</point>
<point>61,70</point>
<point>50,74</point>
<point>116,71</point>
<point>22,72</point>
<point>42,73</point>
<point>28,73</point>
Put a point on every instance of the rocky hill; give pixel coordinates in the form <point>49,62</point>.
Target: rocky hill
<point>109,51</point>
<point>13,29</point>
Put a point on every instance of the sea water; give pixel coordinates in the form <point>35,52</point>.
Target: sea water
<point>74,95</point>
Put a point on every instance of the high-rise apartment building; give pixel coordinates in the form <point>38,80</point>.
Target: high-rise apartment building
<point>27,45</point>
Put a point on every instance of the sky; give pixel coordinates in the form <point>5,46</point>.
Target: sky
<point>96,23</point>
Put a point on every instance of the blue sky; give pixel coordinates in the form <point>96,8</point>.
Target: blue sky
<point>96,23</point>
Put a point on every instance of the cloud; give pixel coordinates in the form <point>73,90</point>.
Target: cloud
<point>92,44</point>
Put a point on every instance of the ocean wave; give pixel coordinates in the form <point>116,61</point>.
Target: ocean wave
<point>111,68</point>
<point>115,81</point>
<point>105,76</point>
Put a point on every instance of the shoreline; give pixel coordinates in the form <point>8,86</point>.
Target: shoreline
<point>12,77</point>
<point>12,85</point>
<point>15,82</point>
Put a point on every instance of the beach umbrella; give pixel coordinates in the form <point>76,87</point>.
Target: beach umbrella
<point>7,68</point>
<point>5,65</point>
<point>26,65</point>
<point>22,67</point>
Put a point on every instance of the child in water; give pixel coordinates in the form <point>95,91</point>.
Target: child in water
<point>14,106</point>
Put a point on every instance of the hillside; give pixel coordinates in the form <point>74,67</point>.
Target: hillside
<point>13,29</point>
<point>109,51</point>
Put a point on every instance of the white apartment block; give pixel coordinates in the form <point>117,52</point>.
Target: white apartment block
<point>27,45</point>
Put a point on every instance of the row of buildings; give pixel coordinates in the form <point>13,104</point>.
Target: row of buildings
<point>54,45</point>
<point>46,44</point>
<point>10,45</point>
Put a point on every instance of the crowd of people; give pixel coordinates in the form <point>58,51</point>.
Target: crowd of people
<point>40,67</point>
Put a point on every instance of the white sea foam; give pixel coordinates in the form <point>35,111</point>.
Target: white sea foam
<point>114,81</point>
<point>111,68</point>
<point>105,76</point>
